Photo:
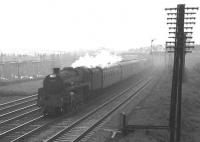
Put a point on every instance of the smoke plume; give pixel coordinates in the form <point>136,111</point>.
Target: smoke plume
<point>101,59</point>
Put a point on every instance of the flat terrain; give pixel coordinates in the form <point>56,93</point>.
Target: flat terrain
<point>26,88</point>
<point>19,90</point>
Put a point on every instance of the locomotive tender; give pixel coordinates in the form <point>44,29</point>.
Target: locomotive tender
<point>70,87</point>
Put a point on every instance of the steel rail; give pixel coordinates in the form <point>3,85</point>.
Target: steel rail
<point>40,127</point>
<point>20,126</point>
<point>18,116</point>
<point>59,134</point>
<point>17,105</point>
<point>126,101</point>
<point>46,124</point>
<point>15,101</point>
<point>21,109</point>
<point>21,138</point>
<point>30,132</point>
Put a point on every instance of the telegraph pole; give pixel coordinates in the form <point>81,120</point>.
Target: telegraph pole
<point>179,47</point>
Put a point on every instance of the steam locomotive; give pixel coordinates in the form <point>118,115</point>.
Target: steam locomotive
<point>67,88</point>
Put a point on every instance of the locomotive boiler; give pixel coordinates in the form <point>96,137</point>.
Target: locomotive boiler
<point>70,87</point>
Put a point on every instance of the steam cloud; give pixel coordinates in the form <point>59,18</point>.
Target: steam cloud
<point>101,59</point>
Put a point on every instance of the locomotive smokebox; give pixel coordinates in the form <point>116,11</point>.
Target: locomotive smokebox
<point>56,70</point>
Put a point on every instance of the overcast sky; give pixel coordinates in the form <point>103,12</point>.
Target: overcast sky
<point>68,25</point>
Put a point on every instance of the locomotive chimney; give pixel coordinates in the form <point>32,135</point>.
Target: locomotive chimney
<point>56,70</point>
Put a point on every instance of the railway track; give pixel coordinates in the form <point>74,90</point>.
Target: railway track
<point>13,105</point>
<point>16,113</point>
<point>71,128</point>
<point>80,128</point>
<point>17,108</point>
